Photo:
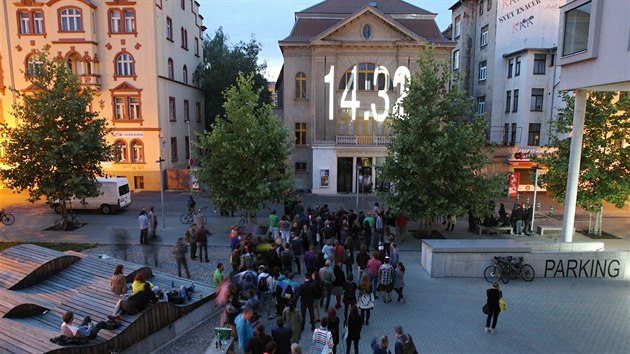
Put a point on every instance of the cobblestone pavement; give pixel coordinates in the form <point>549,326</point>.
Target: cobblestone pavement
<point>444,314</point>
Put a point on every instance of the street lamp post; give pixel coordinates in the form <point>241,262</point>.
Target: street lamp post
<point>162,191</point>
<point>357,167</point>
<point>534,201</point>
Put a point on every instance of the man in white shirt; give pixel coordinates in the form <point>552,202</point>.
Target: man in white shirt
<point>85,330</point>
<point>265,292</point>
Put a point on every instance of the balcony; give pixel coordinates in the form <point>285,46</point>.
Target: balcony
<point>93,81</point>
<point>369,140</point>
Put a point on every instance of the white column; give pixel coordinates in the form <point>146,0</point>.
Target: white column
<point>574,165</point>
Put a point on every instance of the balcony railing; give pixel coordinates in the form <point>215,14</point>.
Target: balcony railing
<point>90,80</point>
<point>369,140</point>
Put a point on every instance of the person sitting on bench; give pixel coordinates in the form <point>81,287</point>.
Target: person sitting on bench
<point>135,303</point>
<point>85,330</point>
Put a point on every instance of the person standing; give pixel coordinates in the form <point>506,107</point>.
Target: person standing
<point>379,227</point>
<point>349,296</point>
<point>404,342</point>
<point>293,320</point>
<point>333,327</point>
<point>493,295</point>
<point>143,224</point>
<point>297,248</point>
<point>259,341</point>
<point>152,222</point>
<point>202,243</point>
<point>327,277</point>
<point>217,277</point>
<point>354,324</point>
<point>452,220</point>
<point>179,253</point>
<point>518,219</point>
<point>401,228</point>
<point>322,339</point>
<point>394,254</point>
<point>527,219</point>
<point>244,328</point>
<point>373,266</point>
<point>362,260</point>
<point>366,300</point>
<point>282,336</point>
<point>191,235</point>
<point>274,223</point>
<point>386,280</point>
<point>381,348</point>
<point>399,281</point>
<point>306,293</point>
<point>191,205</point>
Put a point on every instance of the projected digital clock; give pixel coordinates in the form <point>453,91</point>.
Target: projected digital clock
<point>401,75</point>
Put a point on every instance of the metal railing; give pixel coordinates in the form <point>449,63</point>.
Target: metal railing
<point>352,140</point>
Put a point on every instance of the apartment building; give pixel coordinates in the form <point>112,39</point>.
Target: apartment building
<point>505,55</point>
<point>138,56</point>
<point>345,64</point>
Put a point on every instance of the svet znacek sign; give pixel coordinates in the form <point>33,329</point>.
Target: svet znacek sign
<point>400,77</point>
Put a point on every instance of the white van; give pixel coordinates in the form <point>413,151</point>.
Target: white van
<point>115,195</point>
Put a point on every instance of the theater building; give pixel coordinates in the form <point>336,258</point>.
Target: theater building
<point>138,56</point>
<point>345,64</point>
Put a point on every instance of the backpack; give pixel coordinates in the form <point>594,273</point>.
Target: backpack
<point>263,286</point>
<point>407,345</point>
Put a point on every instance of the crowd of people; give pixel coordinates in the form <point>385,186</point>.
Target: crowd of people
<point>346,260</point>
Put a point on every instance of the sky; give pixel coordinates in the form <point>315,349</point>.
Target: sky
<point>268,21</point>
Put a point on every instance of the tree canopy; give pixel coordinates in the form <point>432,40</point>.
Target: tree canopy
<point>436,159</point>
<point>57,149</point>
<point>605,163</point>
<point>221,67</point>
<point>247,150</point>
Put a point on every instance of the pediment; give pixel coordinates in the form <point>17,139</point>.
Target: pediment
<point>86,2</point>
<point>125,87</point>
<point>383,28</point>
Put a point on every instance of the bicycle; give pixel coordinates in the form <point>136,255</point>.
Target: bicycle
<point>189,216</point>
<point>515,268</point>
<point>494,272</point>
<point>6,218</point>
<point>71,221</point>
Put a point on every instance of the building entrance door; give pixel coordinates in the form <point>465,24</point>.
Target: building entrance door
<point>365,174</point>
<point>344,175</point>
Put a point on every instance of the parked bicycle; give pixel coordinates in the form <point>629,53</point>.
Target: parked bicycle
<point>69,222</point>
<point>189,216</point>
<point>494,272</point>
<point>507,268</point>
<point>515,268</point>
<point>6,218</point>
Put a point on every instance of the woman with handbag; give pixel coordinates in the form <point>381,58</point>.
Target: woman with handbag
<point>494,295</point>
<point>353,330</point>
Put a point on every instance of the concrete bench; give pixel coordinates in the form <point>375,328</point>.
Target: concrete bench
<point>549,229</point>
<point>495,229</point>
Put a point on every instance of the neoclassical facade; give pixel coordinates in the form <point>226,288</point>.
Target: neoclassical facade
<point>138,56</point>
<point>345,65</point>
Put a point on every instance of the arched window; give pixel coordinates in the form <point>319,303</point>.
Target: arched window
<point>137,151</point>
<point>185,74</point>
<point>125,65</point>
<point>33,65</point>
<point>170,69</point>
<point>120,151</point>
<point>300,85</point>
<point>70,20</point>
<point>75,63</point>
<point>365,78</point>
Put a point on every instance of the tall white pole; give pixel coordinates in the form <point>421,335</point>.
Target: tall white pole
<point>574,165</point>
<point>534,202</point>
<point>162,191</point>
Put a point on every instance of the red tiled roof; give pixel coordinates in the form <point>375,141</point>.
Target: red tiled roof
<point>389,7</point>
<point>426,29</point>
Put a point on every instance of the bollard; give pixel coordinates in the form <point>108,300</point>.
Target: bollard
<point>538,205</point>
<point>518,197</point>
<point>172,284</point>
<point>527,202</point>
<point>551,211</point>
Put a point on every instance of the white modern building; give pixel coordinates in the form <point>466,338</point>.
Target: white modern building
<point>345,62</point>
<point>594,54</point>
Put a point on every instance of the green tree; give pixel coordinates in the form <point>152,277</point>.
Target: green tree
<point>56,150</point>
<point>220,68</point>
<point>436,160</point>
<point>605,162</point>
<point>248,147</point>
